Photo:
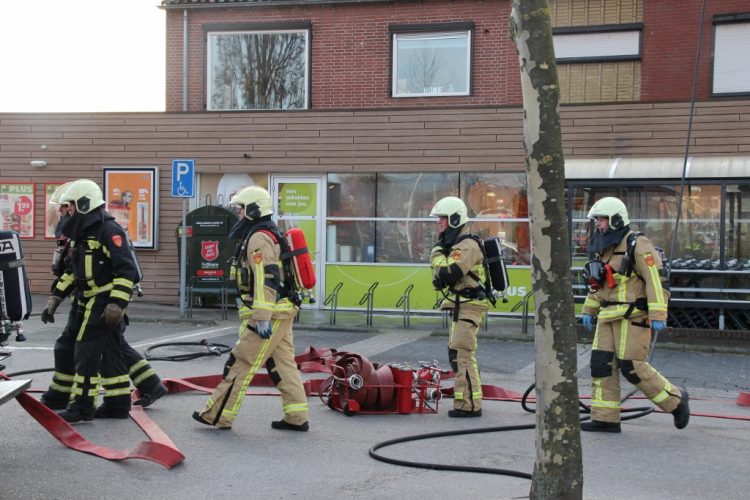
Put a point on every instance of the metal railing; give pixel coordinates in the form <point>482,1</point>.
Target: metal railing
<point>524,305</point>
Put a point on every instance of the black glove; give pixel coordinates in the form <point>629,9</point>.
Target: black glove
<point>437,284</point>
<point>48,313</point>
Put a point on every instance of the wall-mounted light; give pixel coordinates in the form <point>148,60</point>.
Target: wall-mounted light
<point>38,163</point>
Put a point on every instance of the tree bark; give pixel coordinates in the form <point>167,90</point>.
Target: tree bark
<point>558,469</point>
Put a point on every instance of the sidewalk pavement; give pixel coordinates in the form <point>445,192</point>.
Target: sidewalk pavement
<point>142,309</point>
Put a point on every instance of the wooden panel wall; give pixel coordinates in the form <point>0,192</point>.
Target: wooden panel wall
<point>464,139</point>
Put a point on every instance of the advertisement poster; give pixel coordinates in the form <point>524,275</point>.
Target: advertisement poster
<point>52,213</point>
<point>131,198</point>
<point>17,209</point>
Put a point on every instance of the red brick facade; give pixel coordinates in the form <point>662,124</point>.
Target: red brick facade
<point>350,61</point>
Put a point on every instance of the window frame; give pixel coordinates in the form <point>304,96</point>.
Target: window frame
<point>212,30</point>
<point>592,31</point>
<point>415,30</point>
<point>725,20</point>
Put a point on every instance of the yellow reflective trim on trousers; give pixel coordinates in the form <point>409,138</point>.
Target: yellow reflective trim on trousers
<point>64,377</point>
<point>76,391</point>
<point>123,282</point>
<point>295,407</point>
<point>596,397</point>
<point>116,380</point>
<point>458,395</point>
<point>143,376</point>
<point>664,394</point>
<point>232,412</point>
<point>116,392</point>
<point>623,339</point>
<point>86,315</point>
<point>81,378</point>
<point>137,366</point>
<point>61,388</point>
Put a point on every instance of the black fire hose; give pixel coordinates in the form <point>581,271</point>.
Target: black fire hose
<point>641,411</point>
<point>209,350</point>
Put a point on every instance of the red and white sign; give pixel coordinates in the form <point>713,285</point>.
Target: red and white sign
<point>209,250</point>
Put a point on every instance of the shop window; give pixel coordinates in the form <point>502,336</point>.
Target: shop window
<point>731,45</point>
<point>737,224</point>
<point>412,195</point>
<point>264,69</point>
<point>498,205</point>
<point>350,230</point>
<point>429,61</point>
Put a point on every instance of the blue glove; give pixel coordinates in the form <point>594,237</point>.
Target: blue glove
<point>588,322</point>
<point>657,325</point>
<point>263,329</point>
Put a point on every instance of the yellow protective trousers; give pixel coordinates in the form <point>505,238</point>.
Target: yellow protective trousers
<point>249,354</point>
<point>467,387</point>
<point>622,346</point>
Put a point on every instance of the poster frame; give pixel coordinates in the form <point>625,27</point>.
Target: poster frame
<point>152,199</point>
<point>33,208</point>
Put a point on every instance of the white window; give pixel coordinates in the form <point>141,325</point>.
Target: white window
<point>597,46</point>
<point>258,70</point>
<point>431,64</point>
<point>731,45</point>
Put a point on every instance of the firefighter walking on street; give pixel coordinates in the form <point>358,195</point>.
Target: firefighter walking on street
<point>457,261</point>
<point>267,315</point>
<point>101,276</point>
<point>58,394</point>
<point>628,292</point>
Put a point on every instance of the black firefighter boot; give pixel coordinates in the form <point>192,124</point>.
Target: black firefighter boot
<point>681,414</point>
<point>599,426</point>
<point>148,397</point>
<point>77,411</point>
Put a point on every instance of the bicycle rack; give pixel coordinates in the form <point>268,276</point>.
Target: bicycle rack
<point>405,302</point>
<point>369,297</point>
<point>525,318</point>
<point>333,300</point>
<point>445,313</point>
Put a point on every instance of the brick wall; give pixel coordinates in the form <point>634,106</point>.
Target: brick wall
<point>350,62</point>
<point>670,37</point>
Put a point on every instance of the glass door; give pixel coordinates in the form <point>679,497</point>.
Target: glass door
<point>298,202</point>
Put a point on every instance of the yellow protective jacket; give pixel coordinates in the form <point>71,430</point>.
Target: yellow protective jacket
<point>455,271</point>
<point>646,285</point>
<point>263,261</point>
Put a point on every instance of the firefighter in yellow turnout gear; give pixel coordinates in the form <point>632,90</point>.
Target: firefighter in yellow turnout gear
<point>628,292</point>
<point>458,271</point>
<point>266,337</point>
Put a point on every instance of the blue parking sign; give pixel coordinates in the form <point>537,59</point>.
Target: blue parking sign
<point>183,178</point>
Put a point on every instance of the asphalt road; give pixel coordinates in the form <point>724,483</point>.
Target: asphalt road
<point>650,459</point>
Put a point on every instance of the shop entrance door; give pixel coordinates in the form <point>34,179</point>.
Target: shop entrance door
<point>299,202</point>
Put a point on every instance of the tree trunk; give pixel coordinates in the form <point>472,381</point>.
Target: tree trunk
<point>558,469</point>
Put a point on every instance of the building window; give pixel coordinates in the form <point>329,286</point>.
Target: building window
<point>258,70</point>
<point>598,43</point>
<point>385,218</point>
<point>731,75</point>
<point>428,64</point>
